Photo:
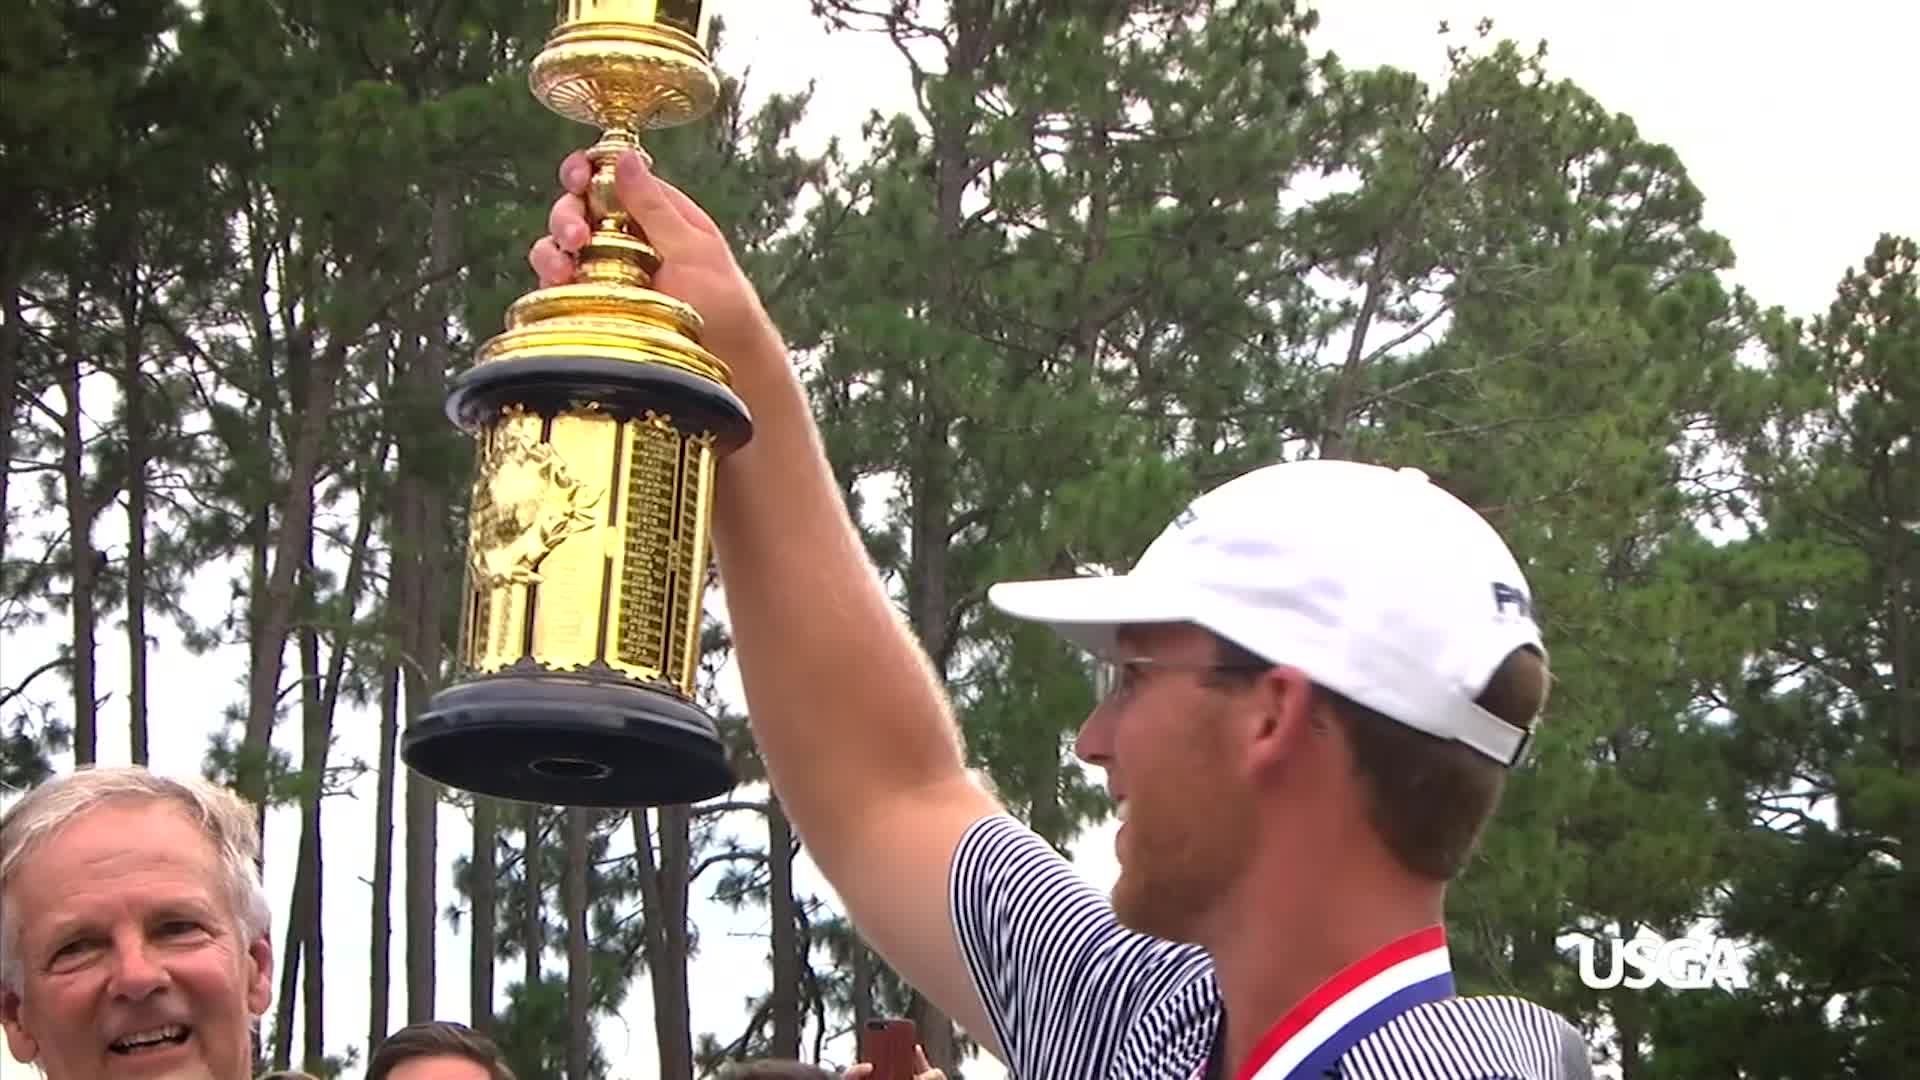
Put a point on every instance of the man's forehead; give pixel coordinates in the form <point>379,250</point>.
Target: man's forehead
<point>439,1067</point>
<point>1143,636</point>
<point>186,898</point>
<point>102,844</point>
<point>123,824</point>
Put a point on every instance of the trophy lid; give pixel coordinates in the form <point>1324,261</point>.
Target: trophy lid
<point>686,16</point>
<point>627,65</point>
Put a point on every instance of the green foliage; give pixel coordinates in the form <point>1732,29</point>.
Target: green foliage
<point>1118,252</point>
<point>1824,727</point>
<point>615,927</point>
<point>25,749</point>
<point>532,1032</point>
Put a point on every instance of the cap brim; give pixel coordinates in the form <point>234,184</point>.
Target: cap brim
<point>1088,611</point>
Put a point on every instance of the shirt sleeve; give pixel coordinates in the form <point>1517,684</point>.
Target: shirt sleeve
<point>1071,993</point>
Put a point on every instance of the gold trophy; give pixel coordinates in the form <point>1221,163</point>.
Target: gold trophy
<point>599,419</point>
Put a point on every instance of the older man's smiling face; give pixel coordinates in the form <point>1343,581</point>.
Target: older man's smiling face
<point>133,962</point>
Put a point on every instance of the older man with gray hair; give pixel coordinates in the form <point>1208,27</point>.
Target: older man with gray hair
<point>134,931</point>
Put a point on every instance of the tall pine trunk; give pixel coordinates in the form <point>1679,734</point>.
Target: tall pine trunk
<point>423,798</point>
<point>274,624</point>
<point>420,663</point>
<point>259,538</point>
<point>316,734</point>
<point>785,998</point>
<point>573,893</point>
<point>421,542</point>
<point>11,339</point>
<point>290,950</point>
<point>316,744</point>
<point>380,937</point>
<point>299,953</point>
<point>486,828</point>
<point>81,562</point>
<point>663,890</point>
<point>267,377</point>
<point>533,942</point>
<point>133,396</point>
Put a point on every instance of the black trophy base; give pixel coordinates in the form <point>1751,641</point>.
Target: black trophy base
<point>566,740</point>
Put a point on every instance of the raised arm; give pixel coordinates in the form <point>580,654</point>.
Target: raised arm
<point>855,729</point>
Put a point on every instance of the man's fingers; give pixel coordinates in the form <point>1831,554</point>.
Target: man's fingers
<point>654,209</point>
<point>921,1064</point>
<point>860,1071</point>
<point>554,267</point>
<point>689,210</point>
<point>671,221</point>
<point>567,223</point>
<point>575,171</point>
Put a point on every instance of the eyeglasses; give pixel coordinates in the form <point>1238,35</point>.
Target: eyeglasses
<point>1115,678</point>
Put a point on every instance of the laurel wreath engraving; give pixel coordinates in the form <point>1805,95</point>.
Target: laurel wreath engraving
<point>526,504</point>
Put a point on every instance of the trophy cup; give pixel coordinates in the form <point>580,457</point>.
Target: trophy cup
<point>599,420</point>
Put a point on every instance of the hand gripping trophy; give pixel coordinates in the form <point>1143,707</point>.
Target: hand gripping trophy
<point>599,419</point>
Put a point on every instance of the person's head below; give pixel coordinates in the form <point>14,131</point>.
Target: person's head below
<point>776,1069</point>
<point>1319,677</point>
<point>437,1050</point>
<point>134,931</point>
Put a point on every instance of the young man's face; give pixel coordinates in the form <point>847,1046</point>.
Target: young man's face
<point>1162,737</point>
<point>133,963</point>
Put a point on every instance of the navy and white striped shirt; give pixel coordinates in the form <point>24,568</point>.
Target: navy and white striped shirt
<point>1073,995</point>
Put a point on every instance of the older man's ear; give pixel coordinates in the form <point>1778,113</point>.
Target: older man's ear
<point>260,989</point>
<point>22,1045</point>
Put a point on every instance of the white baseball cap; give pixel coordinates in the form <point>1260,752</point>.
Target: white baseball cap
<point>1375,582</point>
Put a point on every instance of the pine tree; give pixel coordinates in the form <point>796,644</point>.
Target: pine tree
<point>1822,741</point>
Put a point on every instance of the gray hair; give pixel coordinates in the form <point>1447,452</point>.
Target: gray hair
<point>227,820</point>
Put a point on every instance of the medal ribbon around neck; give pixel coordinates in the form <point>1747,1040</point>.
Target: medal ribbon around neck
<point>1353,1005</point>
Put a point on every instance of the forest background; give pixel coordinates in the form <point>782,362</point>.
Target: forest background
<point>247,242</point>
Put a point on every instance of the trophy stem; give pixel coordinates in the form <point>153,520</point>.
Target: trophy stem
<point>618,252</point>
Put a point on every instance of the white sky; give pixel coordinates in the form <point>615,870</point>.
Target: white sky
<point>1788,118</point>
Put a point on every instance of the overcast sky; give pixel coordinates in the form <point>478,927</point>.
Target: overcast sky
<point>1789,123</point>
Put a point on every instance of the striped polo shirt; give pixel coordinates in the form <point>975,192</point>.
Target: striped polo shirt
<point>1073,995</point>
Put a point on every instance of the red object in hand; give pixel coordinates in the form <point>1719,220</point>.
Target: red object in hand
<point>890,1046</point>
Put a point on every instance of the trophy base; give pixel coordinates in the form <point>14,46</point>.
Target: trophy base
<point>567,740</point>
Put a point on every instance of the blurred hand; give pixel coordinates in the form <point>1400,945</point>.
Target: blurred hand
<point>697,265</point>
<point>922,1069</point>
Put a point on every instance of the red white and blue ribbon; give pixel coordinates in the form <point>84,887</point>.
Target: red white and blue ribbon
<point>1313,1035</point>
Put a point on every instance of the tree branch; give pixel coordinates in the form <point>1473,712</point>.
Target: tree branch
<point>718,808</point>
<point>21,688</point>
<point>759,858</point>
